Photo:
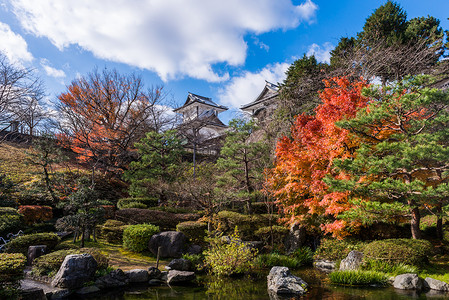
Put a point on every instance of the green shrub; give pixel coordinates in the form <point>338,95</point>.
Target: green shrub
<point>49,264</point>
<point>112,231</point>
<point>229,258</point>
<point>406,251</point>
<point>275,259</point>
<point>357,277</point>
<point>165,220</point>
<point>197,260</point>
<point>247,224</point>
<point>136,237</point>
<point>279,234</point>
<point>195,231</point>
<point>304,255</point>
<point>10,221</point>
<point>332,249</point>
<point>387,267</point>
<point>133,202</point>
<point>11,271</point>
<point>20,244</point>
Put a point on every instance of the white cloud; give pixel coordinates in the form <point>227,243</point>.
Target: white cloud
<point>174,38</point>
<point>246,88</point>
<point>50,71</point>
<point>13,46</point>
<point>322,53</point>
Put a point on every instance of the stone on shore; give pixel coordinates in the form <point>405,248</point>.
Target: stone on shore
<point>180,277</point>
<point>352,262</point>
<point>435,284</point>
<point>281,282</point>
<point>76,270</point>
<point>116,278</point>
<point>137,276</point>
<point>180,264</point>
<point>408,282</point>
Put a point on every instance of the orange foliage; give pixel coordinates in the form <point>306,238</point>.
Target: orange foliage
<point>303,160</point>
<point>35,213</point>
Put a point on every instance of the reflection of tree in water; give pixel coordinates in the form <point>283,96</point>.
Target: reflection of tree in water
<point>246,288</point>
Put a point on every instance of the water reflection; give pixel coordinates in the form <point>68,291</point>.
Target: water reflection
<point>255,288</point>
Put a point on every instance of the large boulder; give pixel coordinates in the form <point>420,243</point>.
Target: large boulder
<point>180,264</point>
<point>34,252</point>
<point>137,276</point>
<point>295,238</point>
<point>323,265</point>
<point>154,273</point>
<point>408,282</point>
<point>116,278</point>
<point>435,284</point>
<point>75,270</point>
<point>281,282</point>
<point>33,294</point>
<point>172,243</point>
<point>180,277</point>
<point>352,262</point>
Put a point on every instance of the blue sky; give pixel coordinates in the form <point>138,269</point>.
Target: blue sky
<point>219,49</point>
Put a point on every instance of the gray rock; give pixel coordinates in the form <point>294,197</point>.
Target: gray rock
<point>181,264</point>
<point>281,282</point>
<point>172,243</point>
<point>408,282</point>
<point>88,290</point>
<point>33,294</point>
<point>116,278</point>
<point>435,284</point>
<point>352,262</point>
<point>137,276</point>
<point>75,271</point>
<point>164,276</point>
<point>295,238</point>
<point>154,273</point>
<point>194,249</point>
<point>180,277</point>
<point>34,252</point>
<point>324,265</point>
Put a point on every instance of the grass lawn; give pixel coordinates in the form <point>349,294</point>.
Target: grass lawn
<point>120,258</point>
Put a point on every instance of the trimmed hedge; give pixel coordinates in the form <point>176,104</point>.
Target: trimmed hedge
<point>10,221</point>
<point>406,251</point>
<point>20,244</point>
<point>279,234</point>
<point>11,271</point>
<point>334,250</point>
<point>165,220</point>
<point>11,266</point>
<point>132,202</point>
<point>35,213</point>
<point>247,224</point>
<point>136,237</point>
<point>49,264</point>
<point>195,231</point>
<point>112,231</point>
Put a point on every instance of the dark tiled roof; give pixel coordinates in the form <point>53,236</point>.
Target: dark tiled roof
<point>270,91</point>
<point>192,98</point>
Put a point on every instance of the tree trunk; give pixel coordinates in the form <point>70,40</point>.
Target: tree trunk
<point>83,236</point>
<point>414,222</point>
<point>439,222</point>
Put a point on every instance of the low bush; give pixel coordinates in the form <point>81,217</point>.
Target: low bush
<point>132,202</point>
<point>49,264</point>
<point>388,268</point>
<point>406,251</point>
<point>165,220</point>
<point>136,237</point>
<point>11,271</point>
<point>304,255</point>
<point>358,278</point>
<point>225,259</point>
<point>247,224</point>
<point>197,261</point>
<point>195,231</point>
<point>10,221</point>
<point>334,250</point>
<point>275,259</point>
<point>35,213</point>
<point>20,244</point>
<point>279,233</point>
<point>112,231</point>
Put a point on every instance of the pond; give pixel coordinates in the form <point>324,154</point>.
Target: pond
<point>255,288</point>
